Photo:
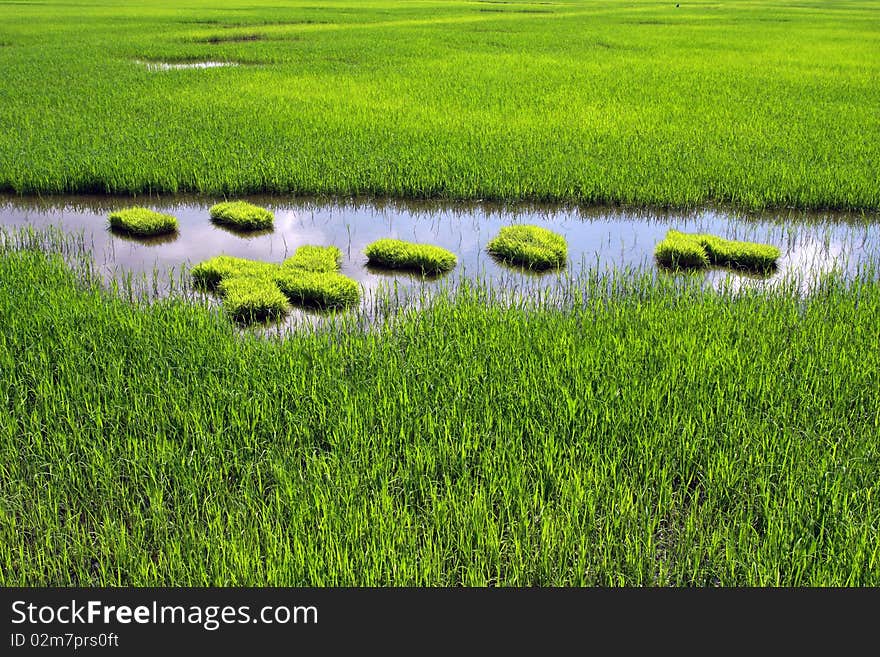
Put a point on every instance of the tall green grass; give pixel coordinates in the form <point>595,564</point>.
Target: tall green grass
<point>751,102</point>
<point>647,431</point>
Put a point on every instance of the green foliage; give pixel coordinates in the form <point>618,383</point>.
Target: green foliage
<point>529,246</point>
<point>307,278</point>
<point>242,215</point>
<point>584,101</point>
<point>322,289</point>
<point>252,298</point>
<point>651,432</point>
<point>315,259</point>
<point>683,250</point>
<point>209,273</point>
<point>740,255</point>
<point>398,254</point>
<point>142,222</point>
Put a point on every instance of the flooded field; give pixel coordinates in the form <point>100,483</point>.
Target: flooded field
<point>598,239</point>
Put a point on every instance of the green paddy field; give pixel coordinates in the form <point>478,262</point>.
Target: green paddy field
<point>751,102</point>
<point>634,429</point>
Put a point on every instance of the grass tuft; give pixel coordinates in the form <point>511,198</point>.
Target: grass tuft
<point>242,215</point>
<point>209,273</point>
<point>397,254</point>
<point>320,289</point>
<point>740,255</point>
<point>252,298</point>
<point>529,246</point>
<point>315,259</point>
<point>687,251</point>
<point>681,251</point>
<point>308,278</point>
<point>142,222</point>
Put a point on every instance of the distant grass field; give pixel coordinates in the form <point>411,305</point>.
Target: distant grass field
<point>649,433</point>
<point>748,102</point>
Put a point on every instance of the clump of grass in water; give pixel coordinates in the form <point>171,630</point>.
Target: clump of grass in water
<point>308,278</point>
<point>142,222</point>
<point>252,298</point>
<point>397,254</point>
<point>242,215</point>
<point>322,289</point>
<point>684,250</point>
<point>741,255</point>
<point>681,251</point>
<point>315,259</point>
<point>209,273</point>
<point>529,246</point>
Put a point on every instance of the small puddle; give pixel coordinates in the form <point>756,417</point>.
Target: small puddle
<point>599,239</point>
<point>173,66</point>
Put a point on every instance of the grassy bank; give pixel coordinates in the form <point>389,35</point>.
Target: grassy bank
<point>749,102</point>
<point>651,433</point>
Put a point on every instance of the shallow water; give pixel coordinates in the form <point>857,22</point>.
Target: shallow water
<point>602,239</point>
<point>173,66</point>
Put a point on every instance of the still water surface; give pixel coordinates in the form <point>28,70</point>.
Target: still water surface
<point>602,239</point>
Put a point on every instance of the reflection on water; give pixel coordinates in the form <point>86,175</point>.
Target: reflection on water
<point>599,239</point>
<point>146,240</point>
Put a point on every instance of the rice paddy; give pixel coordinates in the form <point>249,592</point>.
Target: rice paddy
<point>748,102</point>
<point>242,215</point>
<point>399,254</point>
<point>142,222</point>
<point>336,378</point>
<point>652,433</point>
<point>743,255</point>
<point>332,236</point>
<point>529,246</point>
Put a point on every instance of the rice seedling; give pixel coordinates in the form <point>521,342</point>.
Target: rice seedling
<point>209,273</point>
<point>740,255</point>
<point>398,254</point>
<point>683,250</point>
<point>315,259</point>
<point>322,289</point>
<point>648,432</point>
<point>252,298</point>
<point>242,215</point>
<point>142,222</point>
<point>529,246</point>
